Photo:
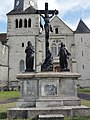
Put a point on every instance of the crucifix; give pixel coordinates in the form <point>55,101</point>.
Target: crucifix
<point>47,65</point>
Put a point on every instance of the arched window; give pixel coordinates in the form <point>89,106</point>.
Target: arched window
<point>54,49</point>
<point>20,23</point>
<point>25,23</point>
<point>16,23</point>
<point>56,30</point>
<point>29,22</point>
<point>22,44</point>
<point>21,65</point>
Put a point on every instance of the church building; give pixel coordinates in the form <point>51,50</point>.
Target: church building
<point>23,25</point>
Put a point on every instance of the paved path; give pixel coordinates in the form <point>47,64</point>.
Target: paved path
<point>8,101</point>
<point>84,96</point>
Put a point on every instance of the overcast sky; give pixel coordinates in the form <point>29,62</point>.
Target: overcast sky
<point>70,11</point>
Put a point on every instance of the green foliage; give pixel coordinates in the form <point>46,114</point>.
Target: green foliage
<point>3,115</point>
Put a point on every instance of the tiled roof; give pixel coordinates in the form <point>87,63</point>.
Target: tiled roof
<point>29,10</point>
<point>82,28</point>
<point>3,37</point>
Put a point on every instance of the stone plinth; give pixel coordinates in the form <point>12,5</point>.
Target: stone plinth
<point>48,89</point>
<point>46,93</point>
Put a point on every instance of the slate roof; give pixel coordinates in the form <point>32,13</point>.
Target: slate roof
<point>29,10</point>
<point>3,37</point>
<point>82,28</point>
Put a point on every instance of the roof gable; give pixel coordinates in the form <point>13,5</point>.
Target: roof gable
<point>29,10</point>
<point>57,22</point>
<point>82,28</point>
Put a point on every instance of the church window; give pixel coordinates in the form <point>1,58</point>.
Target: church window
<point>83,66</point>
<point>20,23</point>
<point>29,22</point>
<point>16,23</point>
<point>21,65</point>
<point>81,40</point>
<point>56,41</point>
<point>82,53</point>
<point>25,23</point>
<point>22,44</point>
<point>56,30</point>
<point>54,49</point>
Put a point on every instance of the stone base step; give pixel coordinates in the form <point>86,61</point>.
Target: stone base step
<point>33,112</point>
<point>51,117</point>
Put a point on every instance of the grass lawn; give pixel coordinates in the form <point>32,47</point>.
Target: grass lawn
<point>15,94</point>
<point>85,103</point>
<point>77,118</point>
<point>4,107</point>
<point>84,90</point>
<point>9,94</point>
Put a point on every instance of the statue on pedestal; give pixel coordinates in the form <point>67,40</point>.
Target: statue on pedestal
<point>29,57</point>
<point>63,56</point>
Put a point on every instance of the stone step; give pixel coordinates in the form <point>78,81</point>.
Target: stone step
<point>51,117</point>
<point>32,112</point>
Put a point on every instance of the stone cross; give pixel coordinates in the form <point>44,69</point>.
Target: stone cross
<point>47,65</point>
<point>46,18</point>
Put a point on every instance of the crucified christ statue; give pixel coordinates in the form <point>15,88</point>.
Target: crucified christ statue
<point>47,65</point>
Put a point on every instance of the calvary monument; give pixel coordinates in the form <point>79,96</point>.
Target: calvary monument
<point>47,92</point>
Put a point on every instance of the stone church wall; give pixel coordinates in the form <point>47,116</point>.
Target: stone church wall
<point>82,48</point>
<point>17,53</point>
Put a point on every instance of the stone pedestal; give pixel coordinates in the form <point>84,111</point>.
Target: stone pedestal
<point>48,89</point>
<point>48,94</point>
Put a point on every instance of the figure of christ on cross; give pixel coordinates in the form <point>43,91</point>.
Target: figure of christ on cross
<point>47,65</point>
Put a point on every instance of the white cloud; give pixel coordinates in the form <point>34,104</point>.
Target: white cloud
<point>72,26</point>
<point>5,7</point>
<point>72,5</point>
<point>87,22</point>
<point>63,6</point>
<point>51,4</point>
<point>78,6</point>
